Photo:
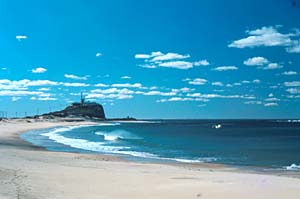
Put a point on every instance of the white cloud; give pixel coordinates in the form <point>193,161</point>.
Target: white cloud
<point>46,98</point>
<point>293,90</point>
<point>198,81</point>
<point>75,84</point>
<point>43,89</point>
<point>111,93</point>
<point>205,97</point>
<point>272,99</point>
<point>155,54</point>
<point>293,96</point>
<point>253,102</point>
<point>128,85</point>
<point>246,82</point>
<point>201,63</point>
<point>142,56</point>
<point>270,104</point>
<point>225,68</point>
<point>217,84</point>
<point>185,89</point>
<point>70,76</point>
<point>256,61</point>
<point>177,64</point>
<point>125,77</point>
<point>39,70</point>
<point>21,37</point>
<point>172,92</point>
<point>43,98</point>
<point>18,93</point>
<point>26,82</point>
<point>113,90</point>
<point>289,73</point>
<point>260,61</point>
<point>14,99</point>
<point>274,87</point>
<point>6,84</point>
<point>153,87</point>
<point>292,84</point>
<point>101,85</point>
<point>176,99</point>
<point>269,36</point>
<point>159,56</point>
<point>160,93</point>
<point>169,56</point>
<point>272,66</point>
<point>295,48</point>
<point>151,66</point>
<point>199,95</point>
<point>168,60</point>
<point>98,54</point>
<point>266,36</point>
<point>181,99</point>
<point>146,56</point>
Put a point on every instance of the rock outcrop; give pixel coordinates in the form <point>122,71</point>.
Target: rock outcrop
<point>83,109</point>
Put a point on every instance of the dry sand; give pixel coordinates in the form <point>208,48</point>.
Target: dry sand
<point>31,172</point>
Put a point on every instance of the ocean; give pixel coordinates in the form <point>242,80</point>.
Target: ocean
<point>271,144</point>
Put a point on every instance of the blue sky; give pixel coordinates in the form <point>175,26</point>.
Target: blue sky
<point>152,59</point>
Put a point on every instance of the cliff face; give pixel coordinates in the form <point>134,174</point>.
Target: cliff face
<point>82,110</point>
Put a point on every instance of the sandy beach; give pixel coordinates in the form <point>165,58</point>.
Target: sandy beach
<point>27,171</point>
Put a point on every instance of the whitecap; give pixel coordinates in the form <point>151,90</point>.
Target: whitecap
<point>293,167</point>
<point>117,134</point>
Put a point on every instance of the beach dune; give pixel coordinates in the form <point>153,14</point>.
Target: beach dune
<point>32,172</point>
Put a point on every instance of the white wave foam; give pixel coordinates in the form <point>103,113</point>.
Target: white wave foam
<point>108,124</point>
<point>294,121</point>
<point>138,154</point>
<point>111,137</point>
<point>92,146</point>
<point>108,137</point>
<point>187,161</point>
<point>293,167</point>
<point>117,134</point>
<point>80,143</point>
<point>138,121</point>
<point>102,148</point>
<point>199,160</point>
<point>69,128</point>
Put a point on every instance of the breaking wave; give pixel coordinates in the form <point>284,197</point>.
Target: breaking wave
<point>103,148</point>
<point>92,146</point>
<point>117,135</point>
<point>293,167</point>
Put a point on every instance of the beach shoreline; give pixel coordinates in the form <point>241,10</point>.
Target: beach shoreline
<point>177,180</point>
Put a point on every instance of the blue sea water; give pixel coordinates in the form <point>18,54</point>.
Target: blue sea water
<point>259,143</point>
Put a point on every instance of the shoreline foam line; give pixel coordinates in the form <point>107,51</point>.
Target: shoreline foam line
<point>100,147</point>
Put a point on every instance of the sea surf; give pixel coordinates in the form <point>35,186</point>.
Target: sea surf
<point>273,144</point>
